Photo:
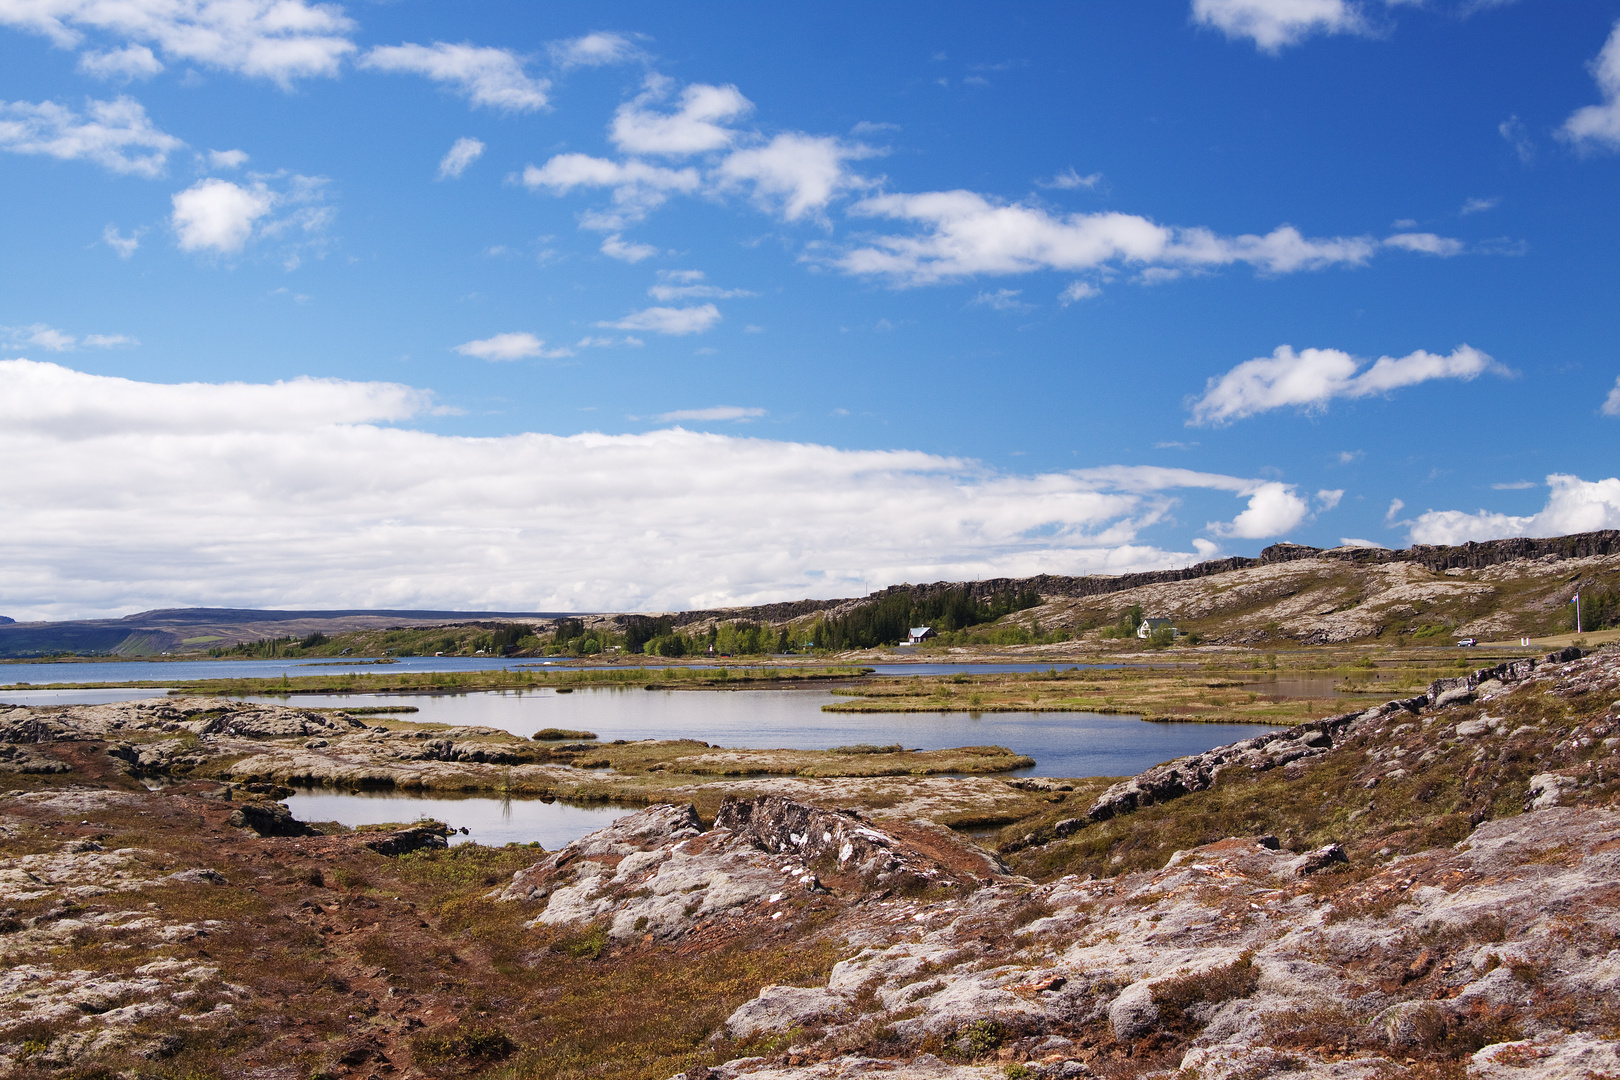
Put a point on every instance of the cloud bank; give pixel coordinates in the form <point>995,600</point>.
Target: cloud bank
<point>302,494</point>
<point>1573,505</point>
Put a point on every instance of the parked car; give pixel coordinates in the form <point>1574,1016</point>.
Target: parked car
<point>1466,642</point>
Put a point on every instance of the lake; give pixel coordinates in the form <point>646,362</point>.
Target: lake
<point>488,821</point>
<point>113,672</point>
<point>1062,744</point>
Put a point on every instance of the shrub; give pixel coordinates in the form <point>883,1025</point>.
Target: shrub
<point>462,1043</point>
<point>1178,998</point>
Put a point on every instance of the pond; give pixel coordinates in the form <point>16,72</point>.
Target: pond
<point>488,821</point>
<point>1062,743</point>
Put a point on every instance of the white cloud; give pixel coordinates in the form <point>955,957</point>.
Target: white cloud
<point>715,412</point>
<point>697,124</point>
<point>117,134</point>
<point>1573,506</point>
<point>1518,136</point>
<point>217,215</point>
<point>965,233</point>
<point>1003,300</point>
<point>1347,457</point>
<point>794,174</point>
<point>1425,243</point>
<point>615,248</point>
<point>1311,378</point>
<point>669,320</point>
<point>227,159</point>
<point>1515,485</point>
<point>873,127</point>
<point>1207,549</point>
<point>1272,24</point>
<point>1274,508</point>
<point>1077,291</point>
<point>594,50</point>
<point>637,187</point>
<point>513,346</point>
<point>462,153</point>
<point>301,494</point>
<point>48,337</point>
<point>130,62</point>
<point>1357,542</point>
<point>688,285</point>
<point>125,246</point>
<point>1329,498</point>
<point>483,75</point>
<point>1600,123</point>
<point>279,40</point>
<point>1477,206</point>
<point>1069,180</point>
<point>1611,404</point>
<point>1395,507</point>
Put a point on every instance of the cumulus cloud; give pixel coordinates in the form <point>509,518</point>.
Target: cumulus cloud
<point>689,285</point>
<point>125,246</point>
<point>130,62</point>
<point>117,134</point>
<point>594,50</point>
<point>626,251</point>
<point>1069,180</point>
<point>1329,498</point>
<point>714,412</point>
<point>1273,24</point>
<point>1003,300</point>
<point>316,493</point>
<point>794,174</point>
<point>697,123</point>
<point>1600,124</point>
<point>280,40</point>
<point>1273,509</point>
<point>462,153</point>
<point>1077,291</point>
<point>227,159</point>
<point>637,187</point>
<point>1309,379</point>
<point>1611,404</point>
<point>1426,243</point>
<point>1479,206</point>
<point>512,346</point>
<point>669,320</point>
<point>217,215</point>
<point>44,336</point>
<point>483,75</point>
<point>962,233</point>
<point>1573,505</point>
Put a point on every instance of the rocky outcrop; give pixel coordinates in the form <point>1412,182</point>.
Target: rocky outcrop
<point>659,874</point>
<point>1199,771</point>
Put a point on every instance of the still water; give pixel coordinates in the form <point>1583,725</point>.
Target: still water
<point>114,672</point>
<point>487,821</point>
<point>1062,744</point>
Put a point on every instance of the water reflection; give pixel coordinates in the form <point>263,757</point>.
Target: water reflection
<point>1062,743</point>
<point>487,821</point>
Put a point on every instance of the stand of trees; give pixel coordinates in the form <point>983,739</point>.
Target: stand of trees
<point>890,619</point>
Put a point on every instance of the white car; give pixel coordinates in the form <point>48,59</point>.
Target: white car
<point>1466,642</point>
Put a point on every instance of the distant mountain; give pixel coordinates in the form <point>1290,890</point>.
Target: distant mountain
<point>150,633</point>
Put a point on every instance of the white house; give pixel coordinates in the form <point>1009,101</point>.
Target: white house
<point>1145,631</point>
<point>919,634</point>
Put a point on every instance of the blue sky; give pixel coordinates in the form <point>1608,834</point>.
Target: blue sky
<point>651,306</point>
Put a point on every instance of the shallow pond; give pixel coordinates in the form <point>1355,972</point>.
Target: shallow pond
<point>488,821</point>
<point>1062,744</point>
